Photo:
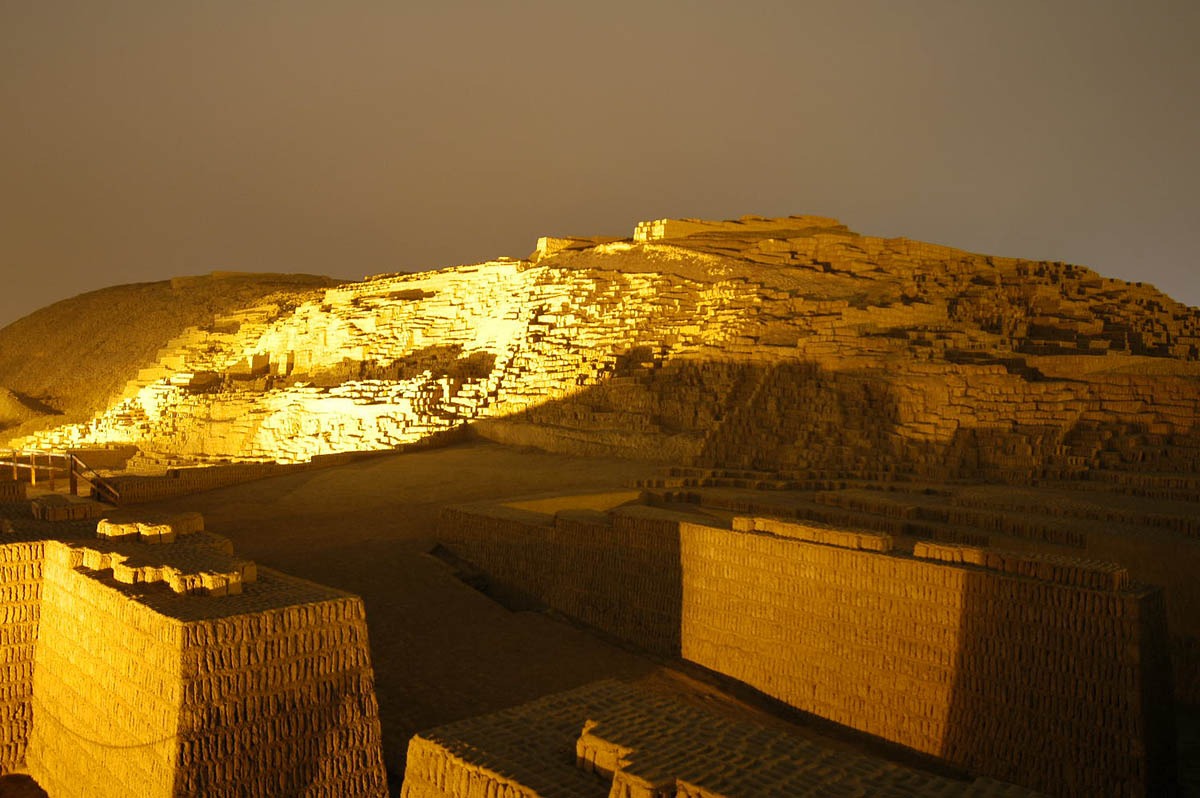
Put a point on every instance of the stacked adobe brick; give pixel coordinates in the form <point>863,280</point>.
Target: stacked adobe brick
<point>617,572</point>
<point>966,660</point>
<point>20,611</point>
<point>106,688</point>
<point>150,661</point>
<point>12,491</point>
<point>784,344</point>
<point>633,742</point>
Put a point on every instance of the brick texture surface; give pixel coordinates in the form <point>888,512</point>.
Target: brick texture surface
<point>961,653</point>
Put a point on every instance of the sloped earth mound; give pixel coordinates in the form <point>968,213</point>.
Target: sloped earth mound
<point>67,361</point>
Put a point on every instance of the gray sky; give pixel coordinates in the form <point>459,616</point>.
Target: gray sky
<point>142,140</point>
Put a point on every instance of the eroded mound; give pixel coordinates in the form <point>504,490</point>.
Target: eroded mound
<point>70,360</point>
<point>788,345</point>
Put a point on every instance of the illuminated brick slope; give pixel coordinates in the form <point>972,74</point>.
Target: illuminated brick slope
<point>781,344</point>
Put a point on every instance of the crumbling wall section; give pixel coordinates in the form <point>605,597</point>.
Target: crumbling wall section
<point>636,743</point>
<point>20,610</point>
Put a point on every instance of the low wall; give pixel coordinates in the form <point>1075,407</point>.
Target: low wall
<point>618,572</point>
<point>194,479</point>
<point>182,481</point>
<point>1042,674</point>
<point>114,457</point>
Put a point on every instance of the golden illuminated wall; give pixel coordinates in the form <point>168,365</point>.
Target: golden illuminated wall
<point>107,689</point>
<point>971,663</point>
<point>163,665</point>
<point>281,702</point>
<point>966,663</point>
<point>20,610</point>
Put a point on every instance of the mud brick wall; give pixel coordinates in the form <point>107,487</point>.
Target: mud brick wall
<point>20,609</point>
<point>107,689</point>
<point>114,685</point>
<point>512,545</point>
<point>106,457</point>
<point>280,703</point>
<point>1162,550</point>
<point>612,555</point>
<point>863,541</point>
<point>182,481</point>
<point>617,572</point>
<point>960,661</point>
<point>968,664</point>
<point>1173,563</point>
<point>1185,657</point>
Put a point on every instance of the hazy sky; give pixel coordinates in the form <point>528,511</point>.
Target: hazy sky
<point>141,140</point>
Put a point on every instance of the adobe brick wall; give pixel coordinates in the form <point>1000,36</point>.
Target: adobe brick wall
<point>107,689</point>
<point>1160,548</point>
<point>965,662</point>
<point>618,572</point>
<point>20,611</point>
<point>183,481</point>
<point>158,664</point>
<point>281,702</point>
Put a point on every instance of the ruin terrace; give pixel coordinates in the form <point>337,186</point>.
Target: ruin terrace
<point>906,507</point>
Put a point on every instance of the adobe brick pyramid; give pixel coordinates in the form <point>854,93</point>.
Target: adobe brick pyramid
<point>792,345</point>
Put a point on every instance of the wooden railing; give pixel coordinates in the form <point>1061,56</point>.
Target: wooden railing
<point>49,466</point>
